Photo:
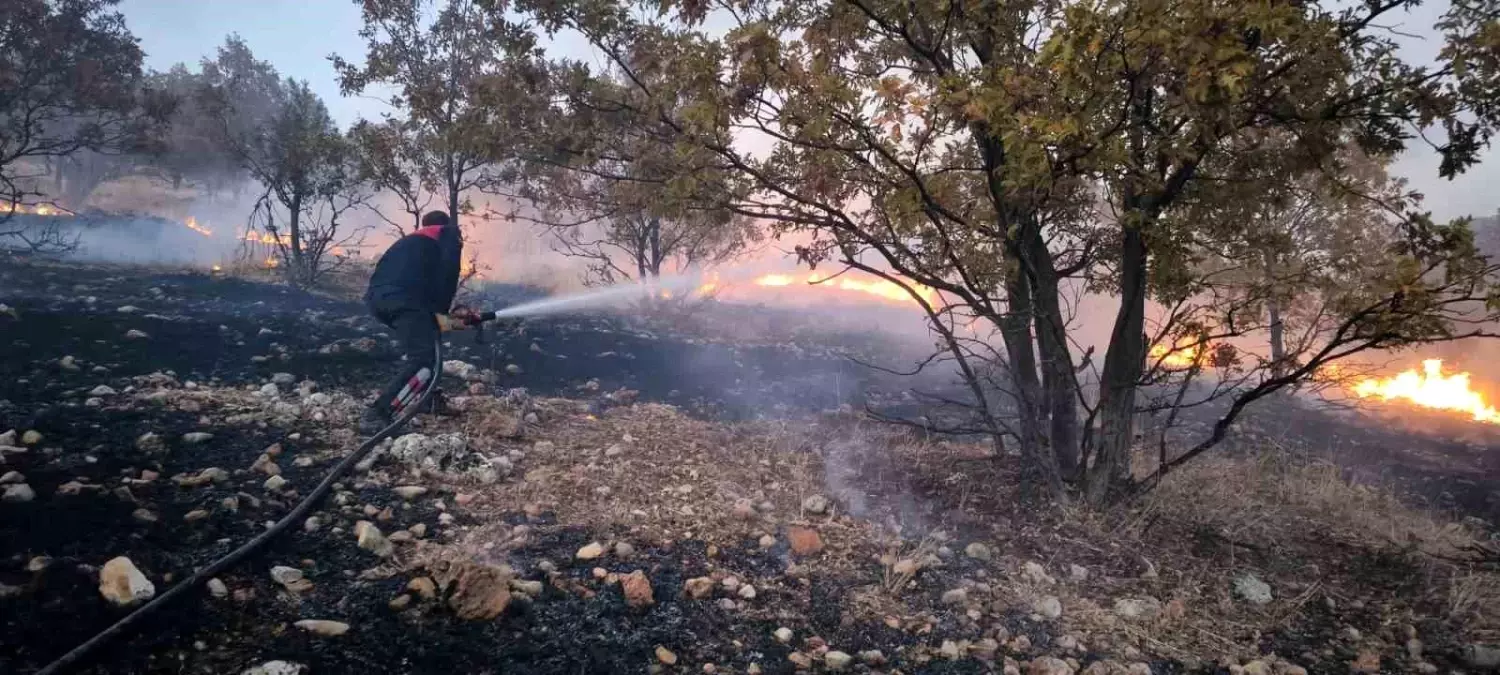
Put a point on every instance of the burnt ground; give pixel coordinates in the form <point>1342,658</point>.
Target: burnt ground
<point>694,495</point>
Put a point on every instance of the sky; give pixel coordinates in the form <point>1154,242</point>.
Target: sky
<point>297,36</point>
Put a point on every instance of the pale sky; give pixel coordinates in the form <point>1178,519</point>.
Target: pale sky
<point>297,36</point>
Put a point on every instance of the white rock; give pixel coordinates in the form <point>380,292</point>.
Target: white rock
<point>128,309</point>
<point>275,483</point>
<point>122,584</point>
<point>836,660</point>
<point>1137,608</point>
<point>276,668</point>
<point>134,334</point>
<point>371,539</point>
<point>217,588</point>
<point>410,491</point>
<point>1036,574</point>
<point>978,551</point>
<point>323,627</point>
<point>956,596</point>
<point>196,437</point>
<point>1049,607</point>
<point>269,390</point>
<point>103,390</point>
<point>747,592</point>
<point>285,379</point>
<point>816,504</point>
<point>783,635</point>
<point>1078,572</point>
<point>18,493</point>
<point>12,477</point>
<point>1252,590</point>
<point>590,551</point>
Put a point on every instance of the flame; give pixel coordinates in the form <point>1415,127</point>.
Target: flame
<point>1431,389</point>
<point>268,238</point>
<point>271,262</point>
<point>1175,357</point>
<point>882,288</point>
<point>35,209</point>
<point>217,268</point>
<point>192,224</point>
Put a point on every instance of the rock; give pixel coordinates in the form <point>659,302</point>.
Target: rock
<point>195,515</point>
<point>1066,643</point>
<point>873,657</point>
<point>906,567</point>
<point>217,588</point>
<point>805,541</point>
<point>747,592</point>
<point>38,563</point>
<point>837,660</point>
<point>128,309</point>
<point>196,437</point>
<point>284,379</point>
<point>291,579</point>
<point>102,390</point>
<point>12,478</point>
<point>134,334</point>
<point>1048,665</point>
<point>731,584</point>
<point>744,509</point>
<point>800,660</point>
<point>370,539</point>
<point>698,588</point>
<point>149,442</point>
<point>637,589</point>
<point>276,668</point>
<point>1414,649</point>
<point>399,602</point>
<point>409,492</point>
<point>475,591</point>
<point>1252,590</point>
<point>590,551</point>
<point>275,483</point>
<point>766,541</point>
<point>530,589</point>
<point>323,627</point>
<point>18,493</point>
<point>423,587</point>
<point>419,530</point>
<point>783,634</point>
<point>665,655</point>
<point>1078,572</point>
<point>949,650</point>
<point>1033,572</point>
<point>269,391</point>
<point>1367,661</point>
<point>955,596</point>
<point>144,515</point>
<point>1049,607</point>
<point>1137,608</point>
<point>31,437</point>
<point>978,551</point>
<point>624,550</point>
<point>816,505</point>
<point>122,584</point>
<point>985,649</point>
<point>1482,657</point>
<point>312,524</point>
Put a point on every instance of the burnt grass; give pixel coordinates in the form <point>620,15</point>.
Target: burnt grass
<point>226,331</point>
<point>232,332</point>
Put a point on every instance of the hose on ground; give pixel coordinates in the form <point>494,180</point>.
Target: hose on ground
<point>299,512</point>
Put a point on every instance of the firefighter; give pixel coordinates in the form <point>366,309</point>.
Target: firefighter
<point>411,292</point>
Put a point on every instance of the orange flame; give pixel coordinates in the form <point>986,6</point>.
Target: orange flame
<point>881,288</point>
<point>1431,389</point>
<point>1175,357</point>
<point>192,224</point>
<point>268,238</point>
<point>36,209</point>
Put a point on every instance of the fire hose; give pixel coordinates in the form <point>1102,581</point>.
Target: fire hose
<point>298,512</point>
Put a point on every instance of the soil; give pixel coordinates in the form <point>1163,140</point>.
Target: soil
<point>716,449</point>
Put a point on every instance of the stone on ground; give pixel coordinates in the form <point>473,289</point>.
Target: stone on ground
<point>590,551</point>
<point>371,539</point>
<point>323,627</point>
<point>816,505</point>
<point>665,655</point>
<point>805,541</point>
<point>637,589</point>
<point>122,584</point>
<point>276,668</point>
<point>837,660</point>
<point>1049,607</point>
<point>18,493</point>
<point>978,551</point>
<point>1251,589</point>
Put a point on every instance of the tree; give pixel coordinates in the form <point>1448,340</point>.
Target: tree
<point>390,159</point>
<point>609,194</point>
<point>70,82</point>
<point>996,152</point>
<point>286,140</point>
<point>190,151</point>
<point>452,77</point>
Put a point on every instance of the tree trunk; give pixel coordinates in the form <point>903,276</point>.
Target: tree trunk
<point>294,225</point>
<point>1273,309</point>
<point>1038,464</point>
<point>1122,369</point>
<point>1056,360</point>
<point>653,238</point>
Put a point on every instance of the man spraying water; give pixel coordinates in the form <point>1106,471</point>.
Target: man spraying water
<point>412,292</point>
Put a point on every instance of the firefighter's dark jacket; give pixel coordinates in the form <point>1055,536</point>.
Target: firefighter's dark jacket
<point>418,272</point>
